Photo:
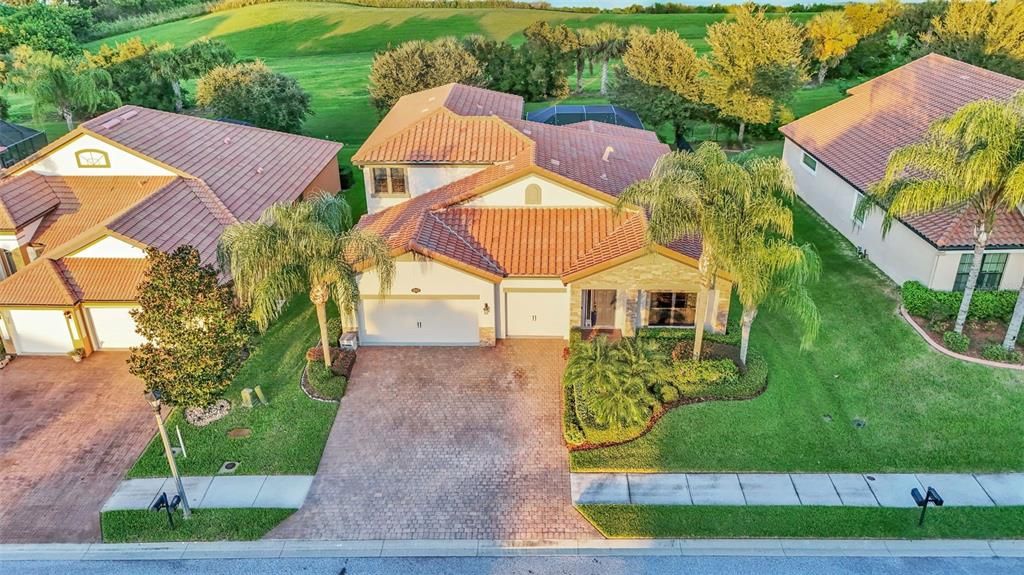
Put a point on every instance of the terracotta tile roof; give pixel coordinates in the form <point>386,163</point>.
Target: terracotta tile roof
<point>855,136</point>
<point>248,168</point>
<point>40,283</point>
<point>612,130</point>
<point>953,227</point>
<point>26,197</point>
<point>104,279</point>
<point>89,201</point>
<point>444,137</point>
<point>472,101</point>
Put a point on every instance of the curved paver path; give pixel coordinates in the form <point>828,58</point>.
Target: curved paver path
<point>439,442</point>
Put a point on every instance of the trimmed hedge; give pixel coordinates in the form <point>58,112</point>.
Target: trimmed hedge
<point>938,305</point>
<point>996,352</point>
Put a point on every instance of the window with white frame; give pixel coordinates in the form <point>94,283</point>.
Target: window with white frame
<point>810,164</point>
<point>390,182</point>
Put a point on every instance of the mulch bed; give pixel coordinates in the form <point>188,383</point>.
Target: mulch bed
<point>981,334</point>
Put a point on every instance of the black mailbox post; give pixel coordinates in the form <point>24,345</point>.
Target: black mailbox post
<point>931,496</point>
<point>161,502</point>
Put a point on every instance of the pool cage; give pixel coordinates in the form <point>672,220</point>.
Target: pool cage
<point>562,114</point>
<point>18,142</point>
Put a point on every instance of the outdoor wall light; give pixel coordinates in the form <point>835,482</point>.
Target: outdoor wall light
<point>487,308</point>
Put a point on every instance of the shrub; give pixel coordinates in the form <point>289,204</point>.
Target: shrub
<point>957,342</point>
<point>334,329</point>
<point>342,360</point>
<point>706,373</point>
<point>710,350</point>
<point>610,390</point>
<point>996,352</point>
<point>324,382</point>
<point>252,92</point>
<point>418,65</point>
<point>668,394</point>
<point>937,305</point>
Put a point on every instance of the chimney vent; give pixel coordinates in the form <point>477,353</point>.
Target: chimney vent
<point>607,152</point>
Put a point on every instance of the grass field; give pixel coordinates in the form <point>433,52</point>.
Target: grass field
<point>922,411</point>
<point>797,522</point>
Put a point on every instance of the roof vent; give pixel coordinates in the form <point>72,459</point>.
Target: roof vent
<point>526,131</point>
<point>604,176</point>
<point>555,162</point>
<point>130,114</point>
<point>607,152</point>
<point>227,140</point>
<point>259,170</point>
<point>110,123</point>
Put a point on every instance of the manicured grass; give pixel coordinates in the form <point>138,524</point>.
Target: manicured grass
<point>800,522</point>
<point>142,526</point>
<point>288,436</point>
<point>923,411</point>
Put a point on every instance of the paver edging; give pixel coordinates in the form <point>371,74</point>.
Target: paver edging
<point>941,349</point>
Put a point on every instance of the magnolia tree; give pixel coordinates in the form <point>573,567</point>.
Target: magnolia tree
<point>419,65</point>
<point>254,93</point>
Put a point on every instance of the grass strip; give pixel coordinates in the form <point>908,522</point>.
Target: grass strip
<point>142,526</point>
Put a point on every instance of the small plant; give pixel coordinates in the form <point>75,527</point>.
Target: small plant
<point>669,394</point>
<point>996,352</point>
<point>957,342</point>
<point>77,355</point>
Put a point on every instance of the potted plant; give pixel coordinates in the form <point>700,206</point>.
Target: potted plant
<point>77,355</point>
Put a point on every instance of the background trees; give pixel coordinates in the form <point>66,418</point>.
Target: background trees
<point>419,65</point>
<point>990,35</point>
<point>608,42</point>
<point>195,332</point>
<point>831,36</point>
<point>67,87</point>
<point>57,28</point>
<point>535,73</point>
<point>254,93</point>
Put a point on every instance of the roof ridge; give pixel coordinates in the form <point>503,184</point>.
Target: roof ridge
<point>212,201</point>
<point>480,252</point>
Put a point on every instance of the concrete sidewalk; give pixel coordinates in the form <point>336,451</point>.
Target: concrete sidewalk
<point>221,491</point>
<point>830,489</point>
<point>274,548</point>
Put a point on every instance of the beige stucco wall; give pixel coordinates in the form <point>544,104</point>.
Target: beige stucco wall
<point>647,273</point>
<point>947,264</point>
<point>901,254</point>
<point>62,162</point>
<point>420,180</point>
<point>553,195</point>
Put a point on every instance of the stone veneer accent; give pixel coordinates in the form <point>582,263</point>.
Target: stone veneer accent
<point>487,337</point>
<point>652,272</point>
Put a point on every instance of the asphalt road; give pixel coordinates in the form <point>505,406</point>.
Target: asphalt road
<point>535,566</point>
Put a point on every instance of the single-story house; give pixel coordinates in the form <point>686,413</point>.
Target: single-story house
<point>838,152</point>
<point>503,228</point>
<point>76,217</point>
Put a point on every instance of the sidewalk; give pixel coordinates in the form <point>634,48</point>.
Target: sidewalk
<point>221,491</point>
<point>831,489</point>
<point>274,548</point>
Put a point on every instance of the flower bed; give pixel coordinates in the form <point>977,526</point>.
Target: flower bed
<point>323,383</point>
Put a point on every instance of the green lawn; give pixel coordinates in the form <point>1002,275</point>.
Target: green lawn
<point>923,411</point>
<point>288,436</point>
<point>798,522</point>
<point>142,526</point>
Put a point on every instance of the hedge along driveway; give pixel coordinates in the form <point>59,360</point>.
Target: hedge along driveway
<point>288,436</point>
<point>921,411</point>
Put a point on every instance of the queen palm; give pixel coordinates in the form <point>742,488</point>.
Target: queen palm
<point>975,159</point>
<point>703,193</point>
<point>608,41</point>
<point>304,247</point>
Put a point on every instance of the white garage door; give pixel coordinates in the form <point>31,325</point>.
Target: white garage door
<point>40,331</point>
<point>536,313</point>
<point>112,327</point>
<point>394,321</point>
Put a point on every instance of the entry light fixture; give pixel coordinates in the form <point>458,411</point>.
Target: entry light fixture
<point>487,308</point>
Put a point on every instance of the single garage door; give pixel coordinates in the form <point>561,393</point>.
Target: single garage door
<point>40,331</point>
<point>394,321</point>
<point>536,313</point>
<point>112,327</point>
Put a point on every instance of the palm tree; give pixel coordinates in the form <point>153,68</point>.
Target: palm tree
<point>703,193</point>
<point>975,159</point>
<point>302,247</point>
<point>56,83</point>
<point>612,390</point>
<point>608,41</point>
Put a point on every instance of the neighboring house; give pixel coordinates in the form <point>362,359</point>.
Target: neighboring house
<point>76,217</point>
<point>18,142</point>
<point>838,152</point>
<point>504,227</point>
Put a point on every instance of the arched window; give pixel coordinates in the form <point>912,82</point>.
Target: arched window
<point>533,195</point>
<point>92,159</point>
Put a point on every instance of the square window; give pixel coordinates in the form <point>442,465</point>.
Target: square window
<point>672,309</point>
<point>809,162</point>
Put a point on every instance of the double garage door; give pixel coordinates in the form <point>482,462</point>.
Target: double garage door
<point>420,321</point>
<point>46,332</point>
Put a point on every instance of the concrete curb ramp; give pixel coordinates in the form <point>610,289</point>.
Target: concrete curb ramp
<point>275,548</point>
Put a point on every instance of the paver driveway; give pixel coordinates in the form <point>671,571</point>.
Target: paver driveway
<point>68,432</point>
<point>446,443</point>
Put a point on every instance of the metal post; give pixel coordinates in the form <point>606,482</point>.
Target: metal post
<point>920,522</point>
<point>185,509</point>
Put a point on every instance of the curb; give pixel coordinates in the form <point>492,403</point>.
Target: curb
<point>279,548</point>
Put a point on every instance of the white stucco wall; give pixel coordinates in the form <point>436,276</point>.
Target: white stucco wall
<point>901,254</point>
<point>420,180</point>
<point>433,281</point>
<point>552,195</point>
<point>552,300</point>
<point>8,242</point>
<point>110,247</point>
<point>63,163</point>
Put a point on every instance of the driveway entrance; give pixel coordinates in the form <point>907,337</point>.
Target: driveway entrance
<point>68,432</point>
<point>431,443</point>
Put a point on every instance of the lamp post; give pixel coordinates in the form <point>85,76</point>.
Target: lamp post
<point>153,397</point>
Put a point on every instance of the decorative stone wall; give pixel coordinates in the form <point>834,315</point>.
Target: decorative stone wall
<point>487,337</point>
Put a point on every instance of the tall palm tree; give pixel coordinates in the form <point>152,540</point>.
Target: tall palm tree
<point>704,193</point>
<point>58,84</point>
<point>974,158</point>
<point>608,41</point>
<point>302,247</point>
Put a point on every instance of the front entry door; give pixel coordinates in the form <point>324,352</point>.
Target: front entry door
<point>599,308</point>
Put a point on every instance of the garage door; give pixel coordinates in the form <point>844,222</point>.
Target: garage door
<point>40,331</point>
<point>112,327</point>
<point>394,321</point>
<point>536,313</point>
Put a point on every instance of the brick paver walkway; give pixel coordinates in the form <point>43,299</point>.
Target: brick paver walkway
<point>446,443</point>
<point>68,432</point>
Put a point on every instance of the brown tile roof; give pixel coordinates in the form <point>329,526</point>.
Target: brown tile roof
<point>855,136</point>
<point>248,168</point>
<point>90,201</point>
<point>40,283</point>
<point>25,198</point>
<point>953,228</point>
<point>104,279</point>
<point>612,130</point>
